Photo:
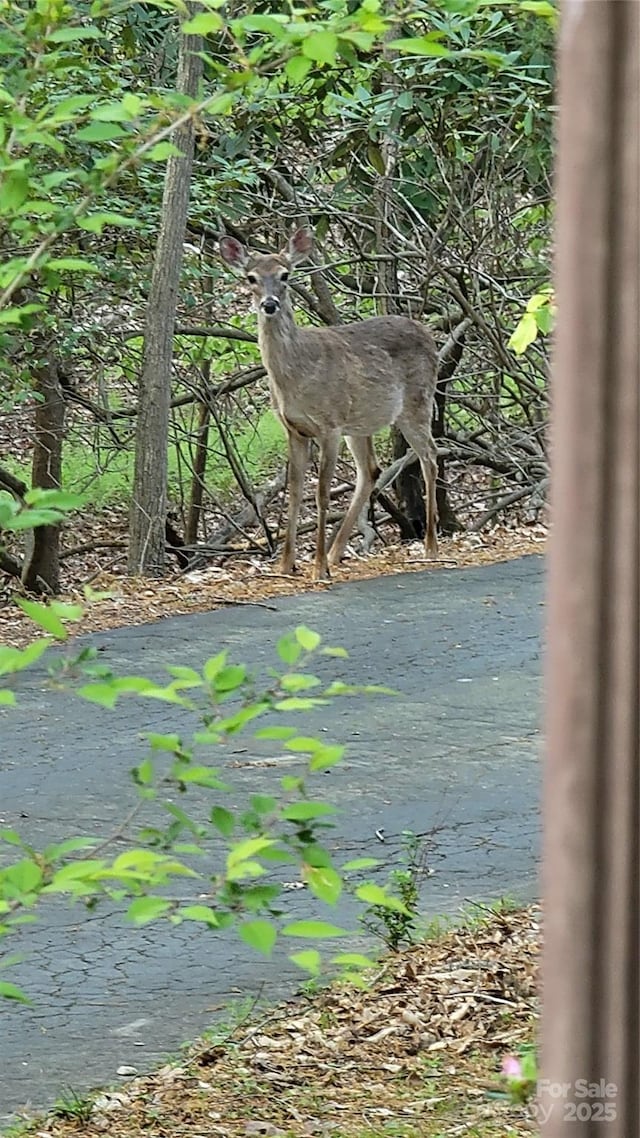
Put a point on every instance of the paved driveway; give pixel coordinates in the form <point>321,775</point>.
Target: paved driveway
<point>453,757</point>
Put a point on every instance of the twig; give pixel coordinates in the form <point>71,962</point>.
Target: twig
<point>89,546</point>
<point>230,601</point>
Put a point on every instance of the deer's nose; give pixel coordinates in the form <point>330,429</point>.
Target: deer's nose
<point>270,305</point>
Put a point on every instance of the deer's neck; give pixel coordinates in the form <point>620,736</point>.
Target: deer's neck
<point>277,338</point>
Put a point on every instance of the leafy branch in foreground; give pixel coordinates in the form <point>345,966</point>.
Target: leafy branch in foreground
<point>252,847</point>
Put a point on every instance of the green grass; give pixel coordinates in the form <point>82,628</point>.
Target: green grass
<point>105,475</point>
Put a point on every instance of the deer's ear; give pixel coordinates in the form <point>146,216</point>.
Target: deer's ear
<point>299,246</point>
<point>233,252</point>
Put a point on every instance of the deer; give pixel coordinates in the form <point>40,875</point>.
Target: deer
<point>346,380</point>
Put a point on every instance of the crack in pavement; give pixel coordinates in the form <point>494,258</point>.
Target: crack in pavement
<point>454,761</point>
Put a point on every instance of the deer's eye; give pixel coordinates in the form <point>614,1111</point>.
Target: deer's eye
<point>284,276</point>
<point>252,278</point>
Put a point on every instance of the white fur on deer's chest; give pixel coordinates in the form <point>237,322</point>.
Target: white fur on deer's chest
<point>295,412</point>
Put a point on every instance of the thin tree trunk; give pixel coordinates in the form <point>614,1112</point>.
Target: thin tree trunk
<point>149,499</point>
<point>199,463</point>
<point>43,564</point>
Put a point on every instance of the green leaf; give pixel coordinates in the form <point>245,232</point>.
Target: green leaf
<point>71,845</point>
<point>298,703</point>
<point>288,648</point>
<point>66,611</point>
<point>202,24</point>
<point>305,811</point>
<point>201,913</point>
<point>274,733</point>
<point>163,150</point>
<point>71,265</point>
<point>7,699</point>
<point>353,960</point>
<point>100,132</point>
<point>539,300</point>
<point>116,112</point>
<point>544,319</point>
<point>310,961</point>
<point>77,877</point>
<point>202,776</point>
<point>230,678</point>
<point>12,837</point>
<point>169,743</point>
<point>14,190</point>
<point>67,109</point>
<point>305,744</point>
<point>187,675</point>
<point>69,35</point>
<point>297,68</point>
<point>96,222</point>
<point>315,930</point>
<point>525,333</point>
<point>342,652</point>
<point>263,803</point>
<point>260,23</point>
<point>362,40</point>
<point>17,314</point>
<point>25,876</point>
<point>374,154</point>
<point>307,638</point>
<point>540,8</point>
<point>420,45</point>
<point>44,617</point>
<point>260,935</point>
<point>298,681</point>
<point>233,723</point>
<point>12,992</point>
<point>145,909</point>
<point>214,665</point>
<point>17,659</point>
<point>105,695</point>
<point>376,895</point>
<point>56,499</point>
<point>244,851</point>
<point>322,47</point>
<point>144,772</point>
<point>324,882</point>
<point>223,820</point>
<point>326,757</point>
<point>222,103</point>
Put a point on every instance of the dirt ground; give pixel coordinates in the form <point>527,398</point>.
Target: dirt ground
<point>417,1053</point>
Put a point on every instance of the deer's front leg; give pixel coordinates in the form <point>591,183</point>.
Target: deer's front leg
<point>298,459</point>
<point>328,458</point>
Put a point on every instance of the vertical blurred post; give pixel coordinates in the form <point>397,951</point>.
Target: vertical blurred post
<point>591,992</point>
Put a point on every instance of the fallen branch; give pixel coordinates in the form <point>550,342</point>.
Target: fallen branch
<point>508,500</point>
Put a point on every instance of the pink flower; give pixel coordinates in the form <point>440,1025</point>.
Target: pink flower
<point>511,1067</point>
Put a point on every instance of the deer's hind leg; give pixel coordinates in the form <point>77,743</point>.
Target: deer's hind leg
<point>367,470</point>
<point>419,437</point>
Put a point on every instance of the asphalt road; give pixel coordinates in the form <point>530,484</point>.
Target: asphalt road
<point>453,757</point>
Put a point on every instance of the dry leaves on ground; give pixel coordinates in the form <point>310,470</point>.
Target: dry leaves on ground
<point>417,1054</point>
<point>246,580</point>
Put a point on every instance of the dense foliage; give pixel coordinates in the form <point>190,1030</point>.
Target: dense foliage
<point>415,141</point>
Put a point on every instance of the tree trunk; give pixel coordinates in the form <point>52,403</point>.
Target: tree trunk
<point>591,962</point>
<point>43,564</point>
<point>199,462</point>
<point>149,498</point>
